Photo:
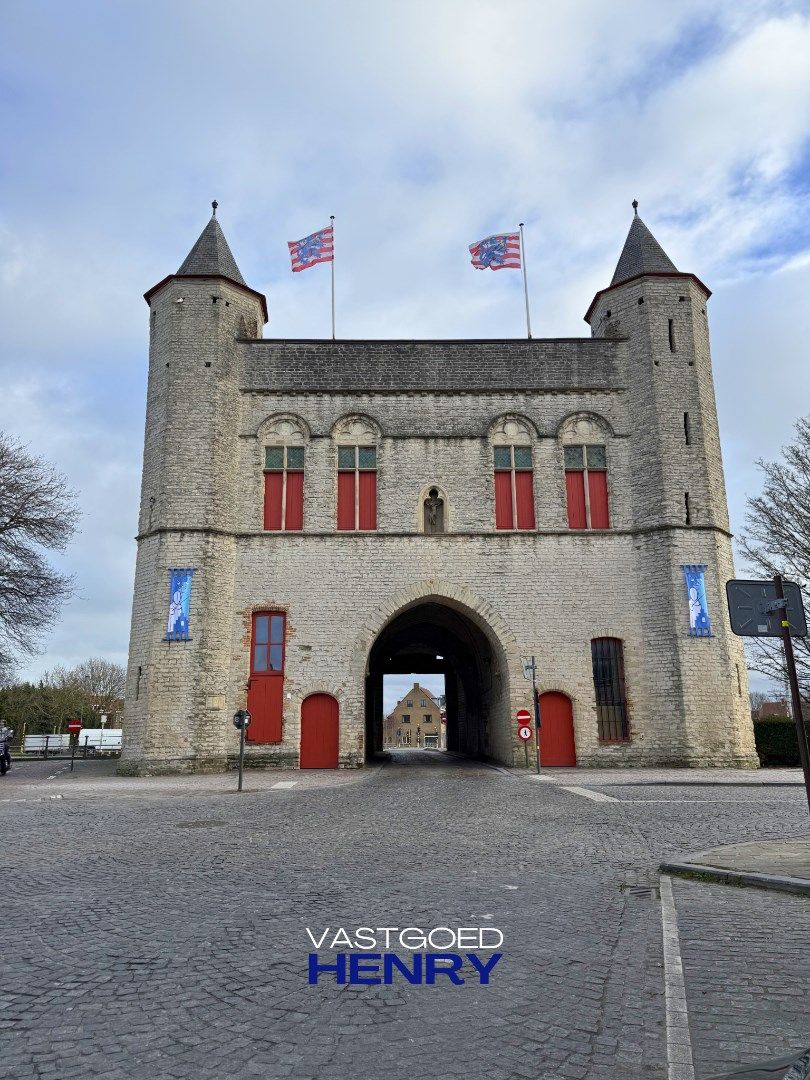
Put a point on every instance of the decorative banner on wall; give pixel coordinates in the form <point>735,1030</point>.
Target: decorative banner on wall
<point>179,604</point>
<point>699,624</point>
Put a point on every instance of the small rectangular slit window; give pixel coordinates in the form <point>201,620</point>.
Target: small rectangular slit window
<point>686,508</point>
<point>687,429</point>
<point>671,332</point>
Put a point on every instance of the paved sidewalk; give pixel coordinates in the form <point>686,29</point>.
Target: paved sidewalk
<point>676,777</point>
<point>768,864</point>
<point>33,781</point>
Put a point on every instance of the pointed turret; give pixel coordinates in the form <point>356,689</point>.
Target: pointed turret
<point>211,255</point>
<point>210,258</point>
<point>641,254</point>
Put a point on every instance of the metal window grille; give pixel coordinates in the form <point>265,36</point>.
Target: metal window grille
<point>608,682</point>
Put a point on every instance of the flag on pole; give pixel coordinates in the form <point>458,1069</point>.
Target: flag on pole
<point>317,248</point>
<point>500,252</point>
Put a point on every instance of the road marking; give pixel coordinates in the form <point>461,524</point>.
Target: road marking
<point>679,1044</point>
<point>597,796</point>
<point>285,783</point>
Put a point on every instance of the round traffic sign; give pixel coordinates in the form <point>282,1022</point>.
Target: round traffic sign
<point>524,716</point>
<point>74,726</point>
<point>524,732</point>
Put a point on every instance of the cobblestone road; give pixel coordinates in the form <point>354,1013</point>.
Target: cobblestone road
<point>156,937</point>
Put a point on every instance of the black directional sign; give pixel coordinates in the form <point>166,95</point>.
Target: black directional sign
<point>756,612</point>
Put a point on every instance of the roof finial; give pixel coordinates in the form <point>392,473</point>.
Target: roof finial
<point>214,206</point>
<point>635,207</point>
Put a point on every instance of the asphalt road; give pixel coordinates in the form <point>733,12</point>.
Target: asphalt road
<point>156,936</point>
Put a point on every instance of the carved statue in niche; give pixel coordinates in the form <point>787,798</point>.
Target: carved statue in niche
<point>434,512</point>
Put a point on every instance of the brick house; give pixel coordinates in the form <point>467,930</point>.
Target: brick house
<point>415,720</point>
<point>331,511</point>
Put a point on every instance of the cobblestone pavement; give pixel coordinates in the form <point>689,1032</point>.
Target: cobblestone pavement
<point>157,937</point>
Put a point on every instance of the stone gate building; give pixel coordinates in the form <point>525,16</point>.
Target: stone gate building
<point>324,512</point>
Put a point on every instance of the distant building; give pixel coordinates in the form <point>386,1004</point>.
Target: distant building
<point>416,720</point>
<point>771,708</point>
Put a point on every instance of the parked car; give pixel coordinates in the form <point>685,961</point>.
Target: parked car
<point>100,741</point>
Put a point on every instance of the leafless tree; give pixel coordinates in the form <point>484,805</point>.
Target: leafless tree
<point>37,511</point>
<point>776,540</point>
<point>102,682</point>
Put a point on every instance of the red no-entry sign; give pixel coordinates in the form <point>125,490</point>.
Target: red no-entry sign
<point>74,726</point>
<point>524,716</point>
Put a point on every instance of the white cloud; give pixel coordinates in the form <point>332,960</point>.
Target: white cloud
<point>422,126</point>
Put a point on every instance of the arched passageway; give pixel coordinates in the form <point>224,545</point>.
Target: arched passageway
<point>435,636</point>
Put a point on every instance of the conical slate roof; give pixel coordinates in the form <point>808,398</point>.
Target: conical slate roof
<point>211,256</point>
<point>641,254</point>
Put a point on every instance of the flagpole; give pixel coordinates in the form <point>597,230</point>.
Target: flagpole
<point>332,219</point>
<point>525,281</point>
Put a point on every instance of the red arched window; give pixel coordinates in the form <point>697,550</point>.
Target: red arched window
<point>514,487</point>
<point>586,489</point>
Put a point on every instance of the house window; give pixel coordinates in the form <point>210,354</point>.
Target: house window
<point>608,680</point>
<point>406,719</point>
<point>586,487</point>
<point>410,703</point>
<point>283,488</point>
<point>423,703</point>
<point>427,719</point>
<point>514,487</point>
<point>357,488</point>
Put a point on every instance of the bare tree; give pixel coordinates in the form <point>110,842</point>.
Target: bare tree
<point>776,540</point>
<point>102,682</point>
<point>37,510</point>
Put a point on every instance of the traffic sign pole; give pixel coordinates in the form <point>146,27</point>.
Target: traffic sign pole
<point>536,712</point>
<point>790,663</point>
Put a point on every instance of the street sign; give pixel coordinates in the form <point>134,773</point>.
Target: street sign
<point>524,732</point>
<point>754,608</point>
<point>523,716</point>
<point>74,726</point>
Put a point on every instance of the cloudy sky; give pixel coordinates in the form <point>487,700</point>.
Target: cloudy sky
<point>422,126</point>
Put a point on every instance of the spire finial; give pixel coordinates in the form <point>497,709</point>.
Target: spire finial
<point>214,206</point>
<point>635,207</point>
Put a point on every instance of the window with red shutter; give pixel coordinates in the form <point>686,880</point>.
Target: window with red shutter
<point>357,488</point>
<point>514,487</point>
<point>284,488</point>
<point>586,489</point>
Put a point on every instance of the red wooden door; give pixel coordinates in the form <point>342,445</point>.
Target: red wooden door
<point>266,687</point>
<point>320,727</point>
<point>556,730</point>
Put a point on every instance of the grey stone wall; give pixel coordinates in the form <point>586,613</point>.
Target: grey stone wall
<point>212,401</point>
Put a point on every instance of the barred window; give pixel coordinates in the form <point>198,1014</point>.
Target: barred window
<point>608,680</point>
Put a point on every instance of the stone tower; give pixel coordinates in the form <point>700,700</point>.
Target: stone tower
<point>176,692</point>
<point>678,493</point>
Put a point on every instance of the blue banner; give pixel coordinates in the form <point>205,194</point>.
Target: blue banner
<point>179,605</point>
<point>699,624</point>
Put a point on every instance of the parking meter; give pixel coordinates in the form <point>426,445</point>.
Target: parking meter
<point>241,720</point>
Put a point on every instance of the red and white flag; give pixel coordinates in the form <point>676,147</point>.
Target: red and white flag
<point>499,252</point>
<point>314,249</point>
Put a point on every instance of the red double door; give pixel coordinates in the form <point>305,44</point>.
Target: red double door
<point>320,730</point>
<point>557,746</point>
